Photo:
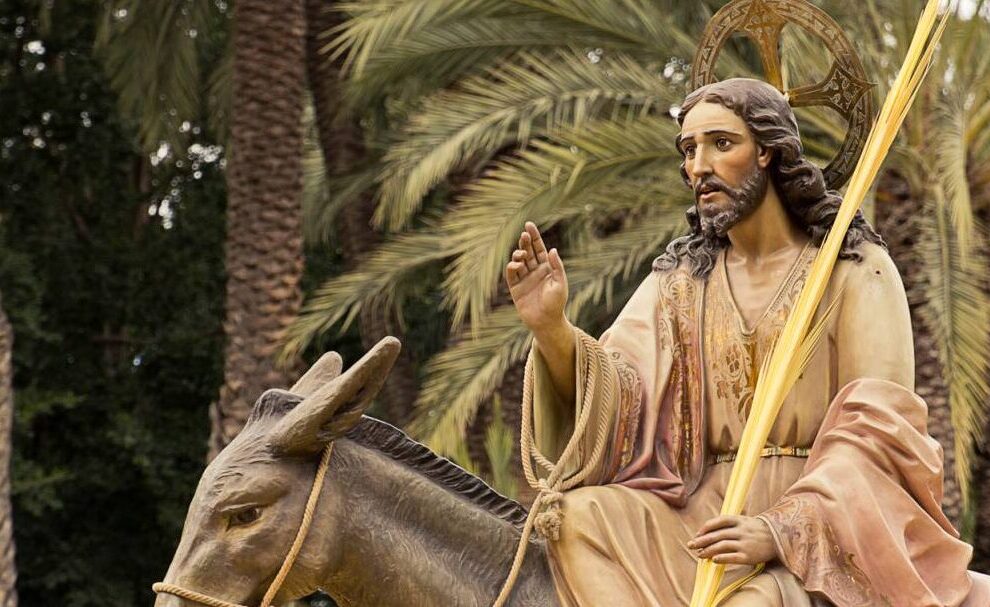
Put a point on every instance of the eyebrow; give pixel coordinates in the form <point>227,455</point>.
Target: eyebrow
<point>690,136</point>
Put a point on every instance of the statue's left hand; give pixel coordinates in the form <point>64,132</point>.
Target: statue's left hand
<point>737,540</point>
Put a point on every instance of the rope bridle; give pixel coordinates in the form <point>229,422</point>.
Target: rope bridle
<point>544,515</point>
<point>290,558</point>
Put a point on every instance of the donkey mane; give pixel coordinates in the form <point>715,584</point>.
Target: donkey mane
<point>394,443</point>
<point>389,440</point>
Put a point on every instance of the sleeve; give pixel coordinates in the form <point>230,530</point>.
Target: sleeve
<point>873,333</point>
<point>612,375</point>
<point>863,524</point>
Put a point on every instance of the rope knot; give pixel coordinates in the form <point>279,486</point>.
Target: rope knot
<point>549,521</point>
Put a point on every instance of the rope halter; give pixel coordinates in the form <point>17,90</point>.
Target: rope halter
<point>290,558</point>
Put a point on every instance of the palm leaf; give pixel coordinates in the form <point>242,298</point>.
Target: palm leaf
<point>491,214</point>
<point>461,377</point>
<point>340,299</point>
<point>957,309</point>
<point>533,95</point>
<point>150,51</point>
<point>435,57</point>
<point>376,24</point>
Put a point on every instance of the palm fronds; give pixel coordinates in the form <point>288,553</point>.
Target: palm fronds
<point>493,210</point>
<point>957,309</point>
<point>461,377</point>
<point>151,52</point>
<point>532,96</point>
<point>340,299</point>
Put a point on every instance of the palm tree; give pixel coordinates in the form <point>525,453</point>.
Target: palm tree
<point>263,78</point>
<point>264,250</point>
<point>8,569</point>
<point>561,111</point>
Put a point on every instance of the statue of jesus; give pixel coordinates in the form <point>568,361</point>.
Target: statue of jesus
<point>845,506</point>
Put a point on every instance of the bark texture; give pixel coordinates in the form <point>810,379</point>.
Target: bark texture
<point>264,250</point>
<point>342,143</point>
<point>896,209</point>
<point>8,569</point>
<point>981,472</point>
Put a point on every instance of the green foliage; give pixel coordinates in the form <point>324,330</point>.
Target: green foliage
<point>154,53</point>
<point>111,273</point>
<point>556,111</point>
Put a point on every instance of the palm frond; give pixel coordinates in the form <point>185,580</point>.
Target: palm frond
<point>461,377</point>
<point>951,158</point>
<point>150,51</point>
<point>499,446</point>
<point>220,93</point>
<point>377,24</point>
<point>957,310</point>
<point>438,56</point>
<point>325,195</point>
<point>533,95</point>
<point>340,299</point>
<point>493,210</point>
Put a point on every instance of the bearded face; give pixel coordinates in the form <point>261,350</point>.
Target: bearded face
<point>741,201</point>
<point>724,165</point>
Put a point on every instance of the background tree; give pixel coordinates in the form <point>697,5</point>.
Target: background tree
<point>264,250</point>
<point>562,112</point>
<point>8,568</point>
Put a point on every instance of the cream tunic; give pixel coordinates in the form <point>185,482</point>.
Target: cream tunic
<point>622,545</point>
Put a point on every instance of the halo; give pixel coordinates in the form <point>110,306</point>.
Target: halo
<point>845,88</point>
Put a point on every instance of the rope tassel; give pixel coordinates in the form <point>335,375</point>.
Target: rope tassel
<point>545,514</point>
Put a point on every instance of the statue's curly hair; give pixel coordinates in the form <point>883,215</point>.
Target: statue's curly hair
<point>800,184</point>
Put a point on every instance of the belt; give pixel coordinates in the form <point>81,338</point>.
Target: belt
<point>719,458</point>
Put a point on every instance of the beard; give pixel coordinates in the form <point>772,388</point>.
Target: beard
<point>742,202</point>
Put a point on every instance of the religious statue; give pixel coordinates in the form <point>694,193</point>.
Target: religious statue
<point>845,505</point>
<point>645,423</point>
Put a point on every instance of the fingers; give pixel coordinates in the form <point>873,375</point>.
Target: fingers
<point>539,248</point>
<point>734,558</point>
<point>556,263</point>
<point>719,522</point>
<point>526,246</point>
<point>720,548</point>
<point>703,541</point>
<point>515,271</point>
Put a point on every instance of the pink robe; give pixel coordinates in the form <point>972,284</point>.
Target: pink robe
<point>856,523</point>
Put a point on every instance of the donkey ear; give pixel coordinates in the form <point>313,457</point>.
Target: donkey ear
<point>335,407</point>
<point>324,370</point>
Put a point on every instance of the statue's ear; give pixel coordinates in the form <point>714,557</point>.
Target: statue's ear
<point>324,370</point>
<point>333,408</point>
<point>764,157</point>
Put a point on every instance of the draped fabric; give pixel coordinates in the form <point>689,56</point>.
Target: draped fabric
<point>685,361</point>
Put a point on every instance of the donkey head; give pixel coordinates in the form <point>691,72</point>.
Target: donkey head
<point>250,500</point>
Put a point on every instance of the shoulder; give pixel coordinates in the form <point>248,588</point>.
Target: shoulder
<point>874,271</point>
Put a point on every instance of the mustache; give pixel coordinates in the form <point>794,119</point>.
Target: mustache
<point>715,184</point>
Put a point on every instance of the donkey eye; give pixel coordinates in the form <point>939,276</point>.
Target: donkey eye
<point>244,517</point>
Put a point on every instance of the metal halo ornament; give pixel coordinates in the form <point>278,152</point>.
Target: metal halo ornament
<point>845,88</point>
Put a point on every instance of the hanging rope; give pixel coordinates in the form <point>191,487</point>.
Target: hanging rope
<point>545,513</point>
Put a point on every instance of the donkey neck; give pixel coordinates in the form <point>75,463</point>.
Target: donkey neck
<point>405,538</point>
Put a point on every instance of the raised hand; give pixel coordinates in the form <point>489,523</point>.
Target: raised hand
<point>537,283</point>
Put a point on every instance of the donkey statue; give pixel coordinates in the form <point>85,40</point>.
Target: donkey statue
<point>394,524</point>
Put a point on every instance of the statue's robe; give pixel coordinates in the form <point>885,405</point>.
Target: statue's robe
<point>854,510</point>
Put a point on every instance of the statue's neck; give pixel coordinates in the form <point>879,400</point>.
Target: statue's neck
<point>767,230</point>
<point>406,540</point>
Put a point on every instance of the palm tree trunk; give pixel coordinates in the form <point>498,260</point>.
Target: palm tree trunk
<point>896,209</point>
<point>8,569</point>
<point>264,250</point>
<point>343,148</point>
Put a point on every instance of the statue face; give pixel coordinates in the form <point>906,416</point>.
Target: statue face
<point>724,165</point>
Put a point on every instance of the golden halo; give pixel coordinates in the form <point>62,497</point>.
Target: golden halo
<point>845,88</point>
